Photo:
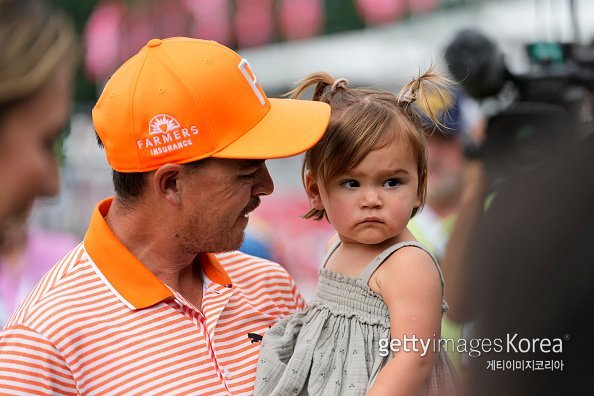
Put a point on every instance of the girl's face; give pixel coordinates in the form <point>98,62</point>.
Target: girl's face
<point>372,202</point>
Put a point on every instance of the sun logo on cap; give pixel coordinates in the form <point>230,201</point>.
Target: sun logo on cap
<point>162,123</point>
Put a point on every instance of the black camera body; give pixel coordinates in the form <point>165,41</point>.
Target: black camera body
<point>537,112</point>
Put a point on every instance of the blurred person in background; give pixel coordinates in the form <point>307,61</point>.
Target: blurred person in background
<point>432,226</point>
<point>446,145</point>
<point>529,262</point>
<point>521,251</point>
<point>36,68</point>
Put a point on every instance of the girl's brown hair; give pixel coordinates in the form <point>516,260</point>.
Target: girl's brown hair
<point>365,119</point>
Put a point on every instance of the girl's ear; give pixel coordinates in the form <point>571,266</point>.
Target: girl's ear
<point>312,189</point>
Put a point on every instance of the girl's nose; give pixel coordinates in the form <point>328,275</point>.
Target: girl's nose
<point>371,199</point>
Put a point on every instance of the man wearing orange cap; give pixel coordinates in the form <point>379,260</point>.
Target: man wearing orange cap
<point>155,300</point>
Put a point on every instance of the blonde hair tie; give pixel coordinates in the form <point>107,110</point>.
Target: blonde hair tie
<point>338,83</point>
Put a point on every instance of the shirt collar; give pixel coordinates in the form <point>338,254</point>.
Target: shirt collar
<point>125,273</point>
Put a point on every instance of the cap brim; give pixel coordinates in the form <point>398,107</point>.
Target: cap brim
<point>290,127</point>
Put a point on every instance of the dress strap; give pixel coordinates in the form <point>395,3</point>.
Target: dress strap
<point>374,265</point>
<point>332,249</point>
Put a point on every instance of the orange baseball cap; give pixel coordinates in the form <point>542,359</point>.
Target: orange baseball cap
<point>180,99</point>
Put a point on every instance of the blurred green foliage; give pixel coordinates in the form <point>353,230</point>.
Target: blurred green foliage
<point>341,16</point>
<point>80,11</point>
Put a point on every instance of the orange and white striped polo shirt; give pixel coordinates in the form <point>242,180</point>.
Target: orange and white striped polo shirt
<point>100,323</point>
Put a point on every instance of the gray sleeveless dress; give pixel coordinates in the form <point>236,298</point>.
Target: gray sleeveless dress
<point>333,347</point>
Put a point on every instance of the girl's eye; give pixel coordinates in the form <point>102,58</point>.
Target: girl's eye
<point>391,183</point>
<point>350,183</point>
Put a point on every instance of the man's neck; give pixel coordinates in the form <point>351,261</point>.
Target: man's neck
<point>149,239</point>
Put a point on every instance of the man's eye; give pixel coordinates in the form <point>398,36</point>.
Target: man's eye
<point>391,183</point>
<point>249,176</point>
<point>350,183</point>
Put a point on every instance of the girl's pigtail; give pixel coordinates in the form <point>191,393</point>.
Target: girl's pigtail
<point>432,94</point>
<point>322,82</point>
<point>324,88</point>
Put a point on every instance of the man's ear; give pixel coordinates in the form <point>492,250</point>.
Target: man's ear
<point>312,188</point>
<point>166,183</point>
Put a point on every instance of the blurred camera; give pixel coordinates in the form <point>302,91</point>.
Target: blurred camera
<point>535,113</point>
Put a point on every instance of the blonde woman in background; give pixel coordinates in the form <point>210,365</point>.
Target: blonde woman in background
<point>36,68</point>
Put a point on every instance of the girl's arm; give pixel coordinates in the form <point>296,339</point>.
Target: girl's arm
<point>410,286</point>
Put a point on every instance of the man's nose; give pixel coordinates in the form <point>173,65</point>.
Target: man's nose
<point>264,184</point>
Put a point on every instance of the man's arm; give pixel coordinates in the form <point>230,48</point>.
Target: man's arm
<point>31,364</point>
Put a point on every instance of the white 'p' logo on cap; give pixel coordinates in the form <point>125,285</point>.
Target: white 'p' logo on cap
<point>251,78</point>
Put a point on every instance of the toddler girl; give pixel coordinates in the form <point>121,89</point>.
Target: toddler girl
<point>374,325</point>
